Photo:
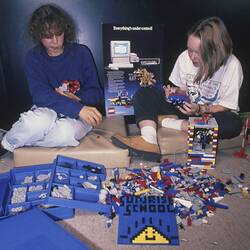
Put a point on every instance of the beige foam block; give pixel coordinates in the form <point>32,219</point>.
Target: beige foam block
<point>171,141</point>
<point>96,147</point>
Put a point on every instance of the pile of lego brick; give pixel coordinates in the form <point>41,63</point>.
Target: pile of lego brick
<point>196,193</point>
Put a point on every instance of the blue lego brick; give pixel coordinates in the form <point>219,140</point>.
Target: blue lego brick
<point>216,204</point>
<point>178,99</point>
<point>34,230</point>
<point>147,220</point>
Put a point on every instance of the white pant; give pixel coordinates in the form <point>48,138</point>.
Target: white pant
<point>42,127</point>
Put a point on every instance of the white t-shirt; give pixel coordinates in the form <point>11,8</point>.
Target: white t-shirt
<point>223,88</point>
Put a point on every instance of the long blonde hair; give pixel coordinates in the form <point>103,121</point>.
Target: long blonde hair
<point>215,48</point>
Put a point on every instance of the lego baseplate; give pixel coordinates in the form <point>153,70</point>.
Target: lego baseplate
<point>147,220</point>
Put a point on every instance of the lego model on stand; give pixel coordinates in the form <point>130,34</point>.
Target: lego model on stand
<point>202,142</point>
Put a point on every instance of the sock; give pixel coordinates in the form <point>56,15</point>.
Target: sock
<point>148,133</point>
<point>172,123</point>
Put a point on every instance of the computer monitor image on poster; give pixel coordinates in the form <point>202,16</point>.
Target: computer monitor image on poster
<point>121,55</point>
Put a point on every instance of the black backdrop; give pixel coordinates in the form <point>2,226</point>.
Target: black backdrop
<point>176,15</point>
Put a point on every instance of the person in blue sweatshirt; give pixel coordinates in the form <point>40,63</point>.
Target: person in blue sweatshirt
<point>63,83</point>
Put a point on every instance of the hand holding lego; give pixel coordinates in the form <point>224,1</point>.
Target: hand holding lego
<point>189,108</point>
<point>91,115</point>
<point>169,90</point>
<point>67,94</point>
<point>69,88</point>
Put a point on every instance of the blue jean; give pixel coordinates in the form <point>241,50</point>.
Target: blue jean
<point>150,102</point>
<point>42,127</point>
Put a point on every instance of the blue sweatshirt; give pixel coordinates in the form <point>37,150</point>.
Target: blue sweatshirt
<point>45,73</point>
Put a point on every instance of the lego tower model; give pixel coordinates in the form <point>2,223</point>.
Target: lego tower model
<point>202,142</point>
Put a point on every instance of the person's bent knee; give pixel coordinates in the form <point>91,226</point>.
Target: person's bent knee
<point>40,119</point>
<point>66,134</point>
<point>230,125</point>
<point>236,128</point>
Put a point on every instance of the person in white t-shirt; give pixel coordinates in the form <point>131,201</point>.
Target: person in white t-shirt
<point>208,73</point>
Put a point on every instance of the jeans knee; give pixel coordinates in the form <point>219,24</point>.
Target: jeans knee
<point>40,119</point>
<point>66,133</point>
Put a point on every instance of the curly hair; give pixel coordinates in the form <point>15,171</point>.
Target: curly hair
<point>215,48</point>
<point>49,20</point>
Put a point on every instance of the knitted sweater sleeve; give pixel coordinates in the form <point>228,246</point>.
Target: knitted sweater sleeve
<point>90,92</point>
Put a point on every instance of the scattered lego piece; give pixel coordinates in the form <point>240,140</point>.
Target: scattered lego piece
<point>63,192</point>
<point>196,194</point>
<point>215,243</point>
<point>43,177</point>
<point>19,195</point>
<point>89,185</point>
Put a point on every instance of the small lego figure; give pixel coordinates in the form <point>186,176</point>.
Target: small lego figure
<point>204,138</point>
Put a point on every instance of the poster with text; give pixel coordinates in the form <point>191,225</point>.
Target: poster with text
<point>132,59</point>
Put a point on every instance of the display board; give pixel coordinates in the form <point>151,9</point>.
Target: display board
<point>132,53</point>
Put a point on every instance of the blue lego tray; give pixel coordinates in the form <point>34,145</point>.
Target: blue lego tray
<point>58,188</point>
<point>33,230</point>
<point>147,220</point>
<point>77,184</point>
<point>24,188</point>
